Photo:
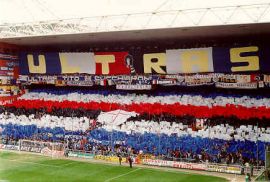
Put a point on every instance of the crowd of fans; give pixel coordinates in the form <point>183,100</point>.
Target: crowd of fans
<point>217,139</point>
<point>184,99</point>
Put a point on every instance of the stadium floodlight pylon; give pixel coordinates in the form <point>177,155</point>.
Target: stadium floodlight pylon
<point>226,15</point>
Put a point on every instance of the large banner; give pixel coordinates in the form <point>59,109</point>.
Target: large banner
<point>172,61</point>
<point>147,82</point>
<point>174,164</point>
<point>224,168</point>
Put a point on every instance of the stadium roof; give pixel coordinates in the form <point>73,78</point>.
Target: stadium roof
<point>144,35</point>
<point>31,22</point>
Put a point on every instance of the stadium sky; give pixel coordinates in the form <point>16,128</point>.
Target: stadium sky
<point>18,11</point>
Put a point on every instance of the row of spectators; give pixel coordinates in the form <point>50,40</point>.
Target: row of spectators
<point>177,104</point>
<point>123,121</point>
<point>39,112</point>
<point>148,136</point>
<point>183,99</point>
<point>80,144</point>
<point>177,155</point>
<point>93,114</point>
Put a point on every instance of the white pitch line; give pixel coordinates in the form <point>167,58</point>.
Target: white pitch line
<point>122,175</point>
<point>68,163</point>
<point>31,163</point>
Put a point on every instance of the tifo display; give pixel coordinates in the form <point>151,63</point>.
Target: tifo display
<point>143,124</point>
<point>138,95</point>
<point>182,108</point>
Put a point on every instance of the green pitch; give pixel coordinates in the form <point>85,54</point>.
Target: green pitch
<point>35,168</point>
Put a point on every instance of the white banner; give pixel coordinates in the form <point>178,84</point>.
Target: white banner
<point>174,164</point>
<point>189,60</point>
<point>9,147</point>
<point>78,63</point>
<point>237,85</point>
<point>133,87</point>
<point>224,169</point>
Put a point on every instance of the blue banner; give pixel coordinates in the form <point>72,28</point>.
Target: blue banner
<point>251,59</point>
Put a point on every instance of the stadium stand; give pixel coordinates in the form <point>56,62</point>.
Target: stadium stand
<point>125,122</point>
<point>191,94</point>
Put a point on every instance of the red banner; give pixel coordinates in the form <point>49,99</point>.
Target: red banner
<point>113,61</point>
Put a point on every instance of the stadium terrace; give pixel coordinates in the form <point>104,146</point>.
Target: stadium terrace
<point>194,98</point>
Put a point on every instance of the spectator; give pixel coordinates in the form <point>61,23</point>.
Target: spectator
<point>130,161</point>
